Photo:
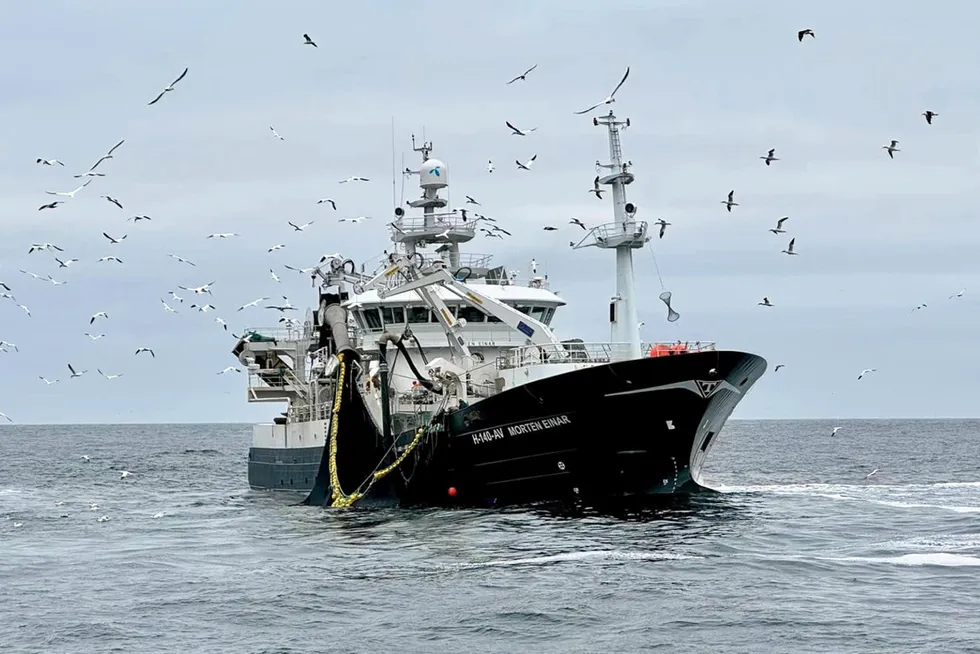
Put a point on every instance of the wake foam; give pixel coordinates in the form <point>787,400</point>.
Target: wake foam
<point>944,559</point>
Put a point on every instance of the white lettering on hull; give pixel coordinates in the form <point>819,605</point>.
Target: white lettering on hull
<point>520,429</point>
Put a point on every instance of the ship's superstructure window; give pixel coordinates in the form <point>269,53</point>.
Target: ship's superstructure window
<point>470,314</point>
<point>419,314</point>
<point>372,319</point>
<point>393,316</point>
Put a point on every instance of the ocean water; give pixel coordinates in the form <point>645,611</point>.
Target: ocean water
<point>799,552</point>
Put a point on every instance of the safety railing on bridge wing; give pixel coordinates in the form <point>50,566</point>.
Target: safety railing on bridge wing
<point>592,353</point>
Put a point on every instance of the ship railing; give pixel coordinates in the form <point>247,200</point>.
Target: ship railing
<point>594,353</point>
<point>280,378</point>
<point>611,235</point>
<point>434,223</point>
<point>277,334</point>
<point>308,412</point>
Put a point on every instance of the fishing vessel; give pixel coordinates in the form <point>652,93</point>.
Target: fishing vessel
<point>439,380</point>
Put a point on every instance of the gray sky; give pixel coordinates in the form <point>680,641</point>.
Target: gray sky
<point>713,86</point>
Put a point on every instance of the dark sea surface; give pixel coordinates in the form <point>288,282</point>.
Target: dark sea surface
<point>798,553</point>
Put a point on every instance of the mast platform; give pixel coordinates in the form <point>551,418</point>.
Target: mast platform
<point>616,235</point>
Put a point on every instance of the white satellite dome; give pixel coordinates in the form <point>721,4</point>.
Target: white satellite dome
<point>434,174</point>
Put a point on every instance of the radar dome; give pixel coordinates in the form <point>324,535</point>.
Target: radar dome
<point>434,174</point>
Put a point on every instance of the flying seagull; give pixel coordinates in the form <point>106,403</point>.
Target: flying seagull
<point>169,88</point>
<point>663,226</point>
<point>115,241</point>
<point>299,228</point>
<point>198,290</point>
<point>52,205</point>
<point>595,188</point>
<point>928,114</point>
<point>519,132</point>
<point>779,226</point>
<point>610,99</point>
<point>576,221</point>
<point>37,247</point>
<point>354,220</point>
<point>275,134</point>
<point>49,162</point>
<point>866,371</point>
<point>100,314</point>
<point>8,419</point>
<point>549,228</point>
<point>332,203</point>
<point>527,165</point>
<point>112,200</point>
<point>230,369</point>
<point>766,303</point>
<point>136,219</point>
<point>204,308</point>
<point>770,156</point>
<point>277,246</point>
<point>221,322</point>
<point>110,258</point>
<point>107,155</point>
<point>65,264</point>
<point>891,148</point>
<point>272,273</point>
<point>48,381</point>
<point>523,76</point>
<point>222,235</point>
<point>806,32</point>
<point>109,377</point>
<point>181,260</point>
<point>95,337</point>
<point>730,202</point>
<point>960,294</point>
<point>834,432</point>
<point>490,166</point>
<point>69,194</point>
<point>253,303</point>
<point>789,249</point>
<point>167,307</point>
<point>75,374</point>
<point>308,41</point>
<point>146,349</point>
<point>354,179</point>
<point>778,366</point>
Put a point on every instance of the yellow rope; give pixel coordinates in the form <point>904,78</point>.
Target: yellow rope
<point>338,498</point>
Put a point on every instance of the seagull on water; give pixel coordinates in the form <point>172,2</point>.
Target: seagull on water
<point>49,162</point>
<point>610,98</point>
<point>663,226</point>
<point>527,165</point>
<point>806,32</point>
<point>779,226</point>
<point>308,41</point>
<point>110,258</point>
<point>928,114</point>
<point>866,371</point>
<point>891,148</point>
<point>108,377</point>
<point>69,194</point>
<point>770,156</point>
<point>115,241</point>
<point>730,202</point>
<point>124,474</point>
<point>299,228</point>
<point>595,188</point>
<point>181,260</point>
<point>331,202</point>
<point>146,349</point>
<point>789,249</point>
<point>523,76</point>
<point>766,303</point>
<point>275,134</point>
<point>169,88</point>
<point>354,179</point>
<point>519,132</point>
<point>112,200</point>
<point>870,474</point>
<point>75,374</point>
<point>100,314</point>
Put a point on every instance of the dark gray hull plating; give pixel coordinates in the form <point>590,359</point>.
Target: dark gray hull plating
<point>293,469</point>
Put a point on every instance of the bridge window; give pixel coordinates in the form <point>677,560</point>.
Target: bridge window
<point>471,314</point>
<point>393,316</point>
<point>538,313</point>
<point>372,319</point>
<point>548,316</point>
<point>419,314</point>
<point>524,309</point>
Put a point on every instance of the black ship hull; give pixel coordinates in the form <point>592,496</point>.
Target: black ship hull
<point>599,435</point>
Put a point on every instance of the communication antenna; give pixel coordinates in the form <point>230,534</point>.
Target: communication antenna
<point>394,195</point>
